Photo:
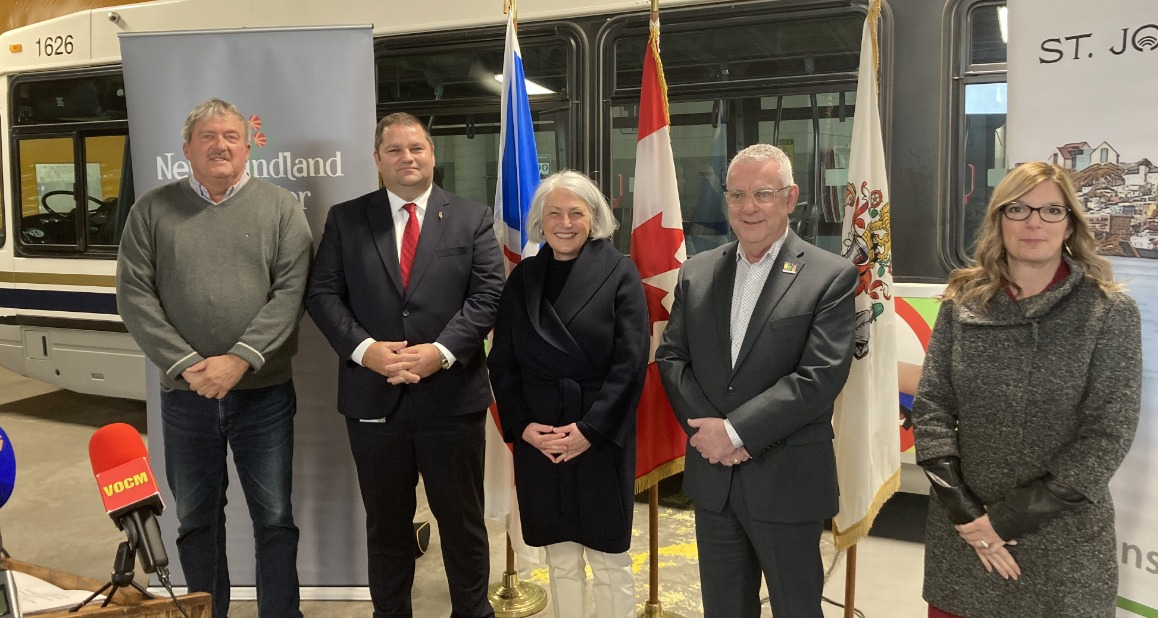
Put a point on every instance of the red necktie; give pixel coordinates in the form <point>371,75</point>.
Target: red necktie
<point>409,244</point>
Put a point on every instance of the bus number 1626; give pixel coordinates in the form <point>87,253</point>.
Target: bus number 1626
<point>54,46</point>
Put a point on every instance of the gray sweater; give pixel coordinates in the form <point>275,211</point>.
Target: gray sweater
<point>1050,383</point>
<point>196,279</point>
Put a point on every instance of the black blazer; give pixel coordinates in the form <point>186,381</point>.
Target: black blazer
<point>356,293</point>
<point>580,360</point>
<point>792,364</point>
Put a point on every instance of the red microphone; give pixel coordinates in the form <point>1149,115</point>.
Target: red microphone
<point>128,490</point>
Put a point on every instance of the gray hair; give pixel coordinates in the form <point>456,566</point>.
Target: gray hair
<point>765,152</point>
<point>603,223</point>
<point>213,108</point>
<point>401,118</point>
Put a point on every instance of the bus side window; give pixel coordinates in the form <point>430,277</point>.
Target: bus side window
<point>47,176</point>
<point>726,94</point>
<point>72,174</point>
<point>105,158</point>
<point>979,103</point>
<point>439,81</point>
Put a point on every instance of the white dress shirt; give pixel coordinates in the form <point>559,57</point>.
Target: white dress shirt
<point>749,283</point>
<point>401,217</point>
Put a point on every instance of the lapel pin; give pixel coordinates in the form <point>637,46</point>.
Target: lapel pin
<point>789,268</point>
<point>440,215</point>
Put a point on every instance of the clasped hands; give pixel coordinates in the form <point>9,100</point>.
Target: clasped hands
<point>400,363</point>
<point>712,441</point>
<point>559,444</point>
<point>215,376</point>
<point>980,535</point>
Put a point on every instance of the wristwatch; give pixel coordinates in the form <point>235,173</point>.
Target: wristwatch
<point>444,363</point>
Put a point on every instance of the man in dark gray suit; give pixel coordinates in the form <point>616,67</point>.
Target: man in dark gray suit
<point>405,287</point>
<point>758,346</point>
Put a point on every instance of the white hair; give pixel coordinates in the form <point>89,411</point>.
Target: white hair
<point>603,223</point>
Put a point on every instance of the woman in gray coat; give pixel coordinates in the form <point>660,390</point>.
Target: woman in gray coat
<point>1028,402</point>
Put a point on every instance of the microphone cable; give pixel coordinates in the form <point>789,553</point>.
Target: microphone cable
<point>163,577</point>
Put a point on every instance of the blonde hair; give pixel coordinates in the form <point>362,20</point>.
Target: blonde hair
<point>979,284</point>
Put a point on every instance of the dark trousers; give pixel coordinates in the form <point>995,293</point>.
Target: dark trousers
<point>735,549</point>
<point>257,425</point>
<point>448,452</point>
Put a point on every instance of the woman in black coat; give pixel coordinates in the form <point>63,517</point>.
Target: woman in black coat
<point>567,367</point>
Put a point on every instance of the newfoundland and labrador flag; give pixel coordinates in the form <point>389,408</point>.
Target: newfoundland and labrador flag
<point>518,179</point>
<point>866,415</point>
<point>518,158</point>
<point>657,248</point>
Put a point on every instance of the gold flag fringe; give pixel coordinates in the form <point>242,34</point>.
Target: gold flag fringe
<point>847,538</point>
<point>661,472</point>
<point>654,51</point>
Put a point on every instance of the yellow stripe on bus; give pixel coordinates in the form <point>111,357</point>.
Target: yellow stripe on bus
<point>101,281</point>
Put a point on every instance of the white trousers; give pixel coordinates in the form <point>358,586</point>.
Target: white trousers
<point>614,588</point>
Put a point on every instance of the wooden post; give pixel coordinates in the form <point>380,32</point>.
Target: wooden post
<point>850,583</point>
<point>653,608</point>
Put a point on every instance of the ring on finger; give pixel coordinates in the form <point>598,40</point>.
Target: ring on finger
<point>983,543</point>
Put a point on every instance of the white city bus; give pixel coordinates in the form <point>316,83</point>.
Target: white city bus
<point>738,72</point>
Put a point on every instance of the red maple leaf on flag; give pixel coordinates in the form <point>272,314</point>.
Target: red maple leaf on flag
<point>653,249</point>
<point>655,309</point>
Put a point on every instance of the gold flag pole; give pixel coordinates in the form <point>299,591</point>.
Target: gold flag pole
<point>511,598</point>
<point>653,608</point>
<point>872,18</point>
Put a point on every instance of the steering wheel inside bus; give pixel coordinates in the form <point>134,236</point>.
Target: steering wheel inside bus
<point>44,201</point>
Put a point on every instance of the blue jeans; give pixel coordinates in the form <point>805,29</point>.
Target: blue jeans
<point>257,426</point>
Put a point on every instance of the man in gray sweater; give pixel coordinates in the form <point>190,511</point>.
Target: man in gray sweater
<point>210,280</point>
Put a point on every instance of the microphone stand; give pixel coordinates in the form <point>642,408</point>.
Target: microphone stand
<point>124,566</point>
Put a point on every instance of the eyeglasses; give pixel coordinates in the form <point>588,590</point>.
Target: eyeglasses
<point>1050,213</point>
<point>763,197</point>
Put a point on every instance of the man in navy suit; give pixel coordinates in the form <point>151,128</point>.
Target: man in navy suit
<point>405,287</point>
<point>758,345</point>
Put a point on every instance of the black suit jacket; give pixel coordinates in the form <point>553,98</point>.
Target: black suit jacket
<point>792,364</point>
<point>356,293</point>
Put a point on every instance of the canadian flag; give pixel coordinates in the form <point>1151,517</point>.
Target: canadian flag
<point>657,248</point>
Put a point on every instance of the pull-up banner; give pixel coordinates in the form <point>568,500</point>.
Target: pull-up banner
<point>308,95</point>
<point>1081,76</point>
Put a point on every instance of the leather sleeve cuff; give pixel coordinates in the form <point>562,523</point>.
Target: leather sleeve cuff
<point>1027,508</point>
<point>950,488</point>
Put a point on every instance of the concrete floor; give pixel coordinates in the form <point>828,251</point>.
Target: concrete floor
<point>55,519</point>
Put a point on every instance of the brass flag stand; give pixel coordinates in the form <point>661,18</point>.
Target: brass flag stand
<point>511,598</point>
